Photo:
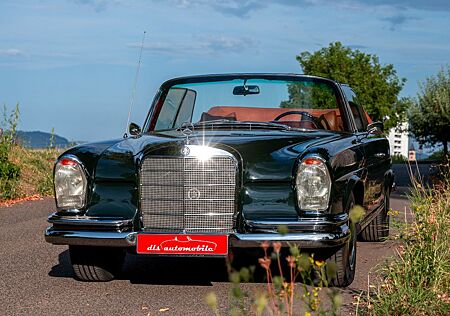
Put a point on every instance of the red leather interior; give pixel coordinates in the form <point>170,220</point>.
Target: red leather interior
<point>331,118</point>
<point>369,119</point>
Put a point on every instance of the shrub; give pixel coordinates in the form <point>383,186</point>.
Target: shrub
<point>417,282</point>
<point>396,158</point>
<point>23,172</point>
<point>9,172</point>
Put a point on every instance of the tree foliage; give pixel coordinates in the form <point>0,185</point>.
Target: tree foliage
<point>429,115</point>
<point>376,85</point>
<point>310,95</point>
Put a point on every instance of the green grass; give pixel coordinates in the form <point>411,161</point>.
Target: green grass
<point>417,282</point>
<point>36,170</point>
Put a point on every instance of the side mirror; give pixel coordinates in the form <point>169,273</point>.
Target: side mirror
<point>134,129</point>
<point>375,128</point>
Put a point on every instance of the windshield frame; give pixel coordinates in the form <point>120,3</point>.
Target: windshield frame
<point>160,96</point>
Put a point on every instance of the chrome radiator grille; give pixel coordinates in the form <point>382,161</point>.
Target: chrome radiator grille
<point>188,194</point>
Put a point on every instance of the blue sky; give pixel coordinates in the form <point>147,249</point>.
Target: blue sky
<point>71,63</point>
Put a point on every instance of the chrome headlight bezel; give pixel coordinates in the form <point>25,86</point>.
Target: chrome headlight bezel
<point>308,168</point>
<point>70,183</point>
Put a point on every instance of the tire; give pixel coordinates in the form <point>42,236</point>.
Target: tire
<point>343,261</point>
<point>96,264</point>
<point>378,228</point>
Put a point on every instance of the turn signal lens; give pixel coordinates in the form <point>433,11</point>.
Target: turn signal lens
<point>313,184</point>
<point>70,184</point>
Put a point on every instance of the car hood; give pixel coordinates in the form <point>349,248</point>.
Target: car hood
<point>264,155</point>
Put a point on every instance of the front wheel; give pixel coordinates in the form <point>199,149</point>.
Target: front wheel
<point>96,264</point>
<point>342,264</point>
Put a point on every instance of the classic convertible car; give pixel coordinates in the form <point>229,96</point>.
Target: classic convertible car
<point>222,162</point>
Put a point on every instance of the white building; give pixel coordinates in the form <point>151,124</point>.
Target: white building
<point>399,140</point>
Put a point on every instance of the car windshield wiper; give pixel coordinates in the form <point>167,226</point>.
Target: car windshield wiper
<point>224,123</point>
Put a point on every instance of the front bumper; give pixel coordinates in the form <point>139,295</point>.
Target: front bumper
<point>128,239</point>
<point>117,233</point>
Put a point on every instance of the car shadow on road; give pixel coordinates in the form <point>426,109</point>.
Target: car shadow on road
<point>64,268</point>
<point>174,270</point>
<point>158,270</point>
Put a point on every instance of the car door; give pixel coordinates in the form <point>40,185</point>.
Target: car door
<point>376,153</point>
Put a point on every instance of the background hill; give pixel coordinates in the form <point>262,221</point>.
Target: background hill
<point>37,139</point>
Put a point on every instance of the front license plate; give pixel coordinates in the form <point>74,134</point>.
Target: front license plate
<point>170,244</point>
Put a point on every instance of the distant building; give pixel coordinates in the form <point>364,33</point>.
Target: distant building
<point>399,140</point>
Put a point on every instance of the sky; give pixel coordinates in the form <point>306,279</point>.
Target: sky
<point>71,63</point>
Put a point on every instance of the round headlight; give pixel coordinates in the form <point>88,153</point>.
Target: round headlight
<point>313,184</point>
<point>70,184</point>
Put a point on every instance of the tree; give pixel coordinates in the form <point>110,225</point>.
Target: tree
<point>377,86</point>
<point>429,116</point>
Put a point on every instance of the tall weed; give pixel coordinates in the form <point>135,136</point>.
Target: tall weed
<point>9,172</point>
<point>281,293</point>
<point>417,282</point>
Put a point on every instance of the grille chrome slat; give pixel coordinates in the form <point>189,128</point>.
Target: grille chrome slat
<point>186,194</point>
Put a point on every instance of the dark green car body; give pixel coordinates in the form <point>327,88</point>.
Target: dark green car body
<point>358,161</point>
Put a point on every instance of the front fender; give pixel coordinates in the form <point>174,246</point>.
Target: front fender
<point>355,185</point>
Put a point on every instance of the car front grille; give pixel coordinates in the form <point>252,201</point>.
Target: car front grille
<point>188,194</point>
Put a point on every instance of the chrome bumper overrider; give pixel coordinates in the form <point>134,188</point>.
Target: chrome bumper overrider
<point>303,240</point>
<point>90,238</point>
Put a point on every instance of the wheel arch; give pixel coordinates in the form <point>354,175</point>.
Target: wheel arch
<point>356,186</point>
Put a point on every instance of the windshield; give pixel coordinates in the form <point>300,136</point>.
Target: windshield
<point>305,103</point>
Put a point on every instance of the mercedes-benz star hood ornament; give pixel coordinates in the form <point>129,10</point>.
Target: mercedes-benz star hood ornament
<point>186,128</point>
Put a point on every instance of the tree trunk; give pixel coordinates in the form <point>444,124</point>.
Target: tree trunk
<point>445,152</point>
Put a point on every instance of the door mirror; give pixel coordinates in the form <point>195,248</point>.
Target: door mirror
<point>134,129</point>
<point>375,128</point>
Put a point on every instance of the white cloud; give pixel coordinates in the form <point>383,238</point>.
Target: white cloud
<point>201,45</point>
<point>11,52</point>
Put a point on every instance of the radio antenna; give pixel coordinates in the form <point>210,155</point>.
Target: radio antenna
<point>133,92</point>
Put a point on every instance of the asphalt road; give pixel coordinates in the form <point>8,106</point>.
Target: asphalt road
<point>36,277</point>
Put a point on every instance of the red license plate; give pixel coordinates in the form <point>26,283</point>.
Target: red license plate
<point>169,244</point>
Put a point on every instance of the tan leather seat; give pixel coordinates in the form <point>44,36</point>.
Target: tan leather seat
<point>253,114</point>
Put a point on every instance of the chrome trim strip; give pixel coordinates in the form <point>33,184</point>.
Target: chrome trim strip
<point>336,220</point>
<point>207,214</point>
<point>187,185</point>
<point>88,221</point>
<point>167,199</point>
